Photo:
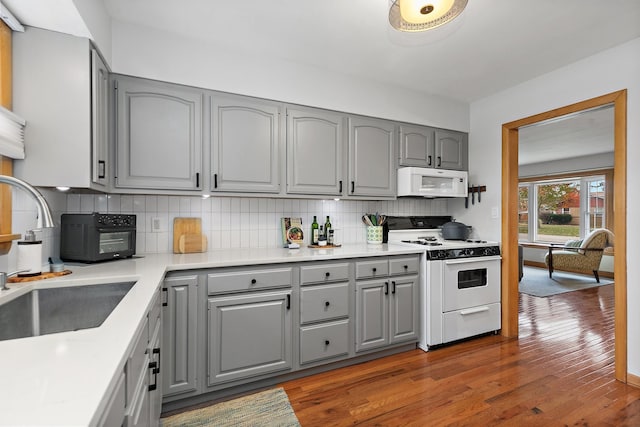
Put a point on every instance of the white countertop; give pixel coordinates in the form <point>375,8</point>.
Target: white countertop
<point>63,378</point>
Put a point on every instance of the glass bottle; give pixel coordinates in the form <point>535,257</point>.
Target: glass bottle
<point>314,231</point>
<point>327,227</point>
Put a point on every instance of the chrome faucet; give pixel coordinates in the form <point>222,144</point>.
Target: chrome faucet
<point>4,276</point>
<point>45,220</point>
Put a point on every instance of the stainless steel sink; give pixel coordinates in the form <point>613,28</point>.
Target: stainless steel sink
<point>48,311</point>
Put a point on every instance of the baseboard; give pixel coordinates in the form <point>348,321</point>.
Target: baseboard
<point>535,264</point>
<point>633,380</point>
<point>607,274</point>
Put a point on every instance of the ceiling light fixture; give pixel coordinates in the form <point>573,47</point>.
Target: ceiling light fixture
<point>422,15</point>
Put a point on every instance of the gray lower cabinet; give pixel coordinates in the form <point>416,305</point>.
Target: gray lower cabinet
<point>114,412</point>
<point>179,335</point>
<point>387,308</point>
<point>325,315</point>
<point>158,135</point>
<point>136,400</point>
<point>315,152</point>
<point>372,154</point>
<point>246,143</point>
<point>265,322</point>
<point>249,335</point>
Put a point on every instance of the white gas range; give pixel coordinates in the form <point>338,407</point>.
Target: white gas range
<point>460,280</point>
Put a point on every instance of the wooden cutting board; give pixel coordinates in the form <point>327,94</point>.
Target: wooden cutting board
<point>183,226</point>
<point>191,243</point>
<point>38,277</point>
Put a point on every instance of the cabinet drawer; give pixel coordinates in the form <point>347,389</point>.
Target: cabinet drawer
<point>238,281</point>
<point>324,273</point>
<point>468,322</point>
<point>154,315</point>
<point>324,302</point>
<point>324,341</point>
<point>138,413</point>
<point>136,365</point>
<point>375,268</point>
<point>404,265</point>
<point>113,414</point>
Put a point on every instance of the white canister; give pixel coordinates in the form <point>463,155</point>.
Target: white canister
<point>29,255</point>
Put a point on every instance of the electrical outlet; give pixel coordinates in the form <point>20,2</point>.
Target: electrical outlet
<point>494,212</point>
<point>158,225</point>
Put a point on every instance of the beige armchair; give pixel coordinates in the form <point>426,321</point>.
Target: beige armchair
<point>585,256</point>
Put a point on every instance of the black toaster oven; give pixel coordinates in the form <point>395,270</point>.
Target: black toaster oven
<point>94,237</point>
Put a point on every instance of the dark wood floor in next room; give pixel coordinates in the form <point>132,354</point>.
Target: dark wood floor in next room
<point>559,373</point>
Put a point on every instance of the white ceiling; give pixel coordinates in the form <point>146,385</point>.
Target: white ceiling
<point>496,43</point>
<point>583,134</point>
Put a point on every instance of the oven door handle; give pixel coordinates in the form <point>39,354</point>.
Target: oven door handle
<point>474,310</point>
<point>473,259</point>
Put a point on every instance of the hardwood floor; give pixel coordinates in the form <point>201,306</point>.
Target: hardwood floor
<point>559,372</point>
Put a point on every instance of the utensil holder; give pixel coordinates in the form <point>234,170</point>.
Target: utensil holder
<point>374,234</point>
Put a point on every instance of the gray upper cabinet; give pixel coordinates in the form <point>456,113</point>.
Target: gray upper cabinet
<point>433,148</point>
<point>315,149</point>
<point>100,120</point>
<point>159,135</point>
<point>451,150</point>
<point>416,146</point>
<point>59,89</point>
<point>372,168</point>
<point>245,144</point>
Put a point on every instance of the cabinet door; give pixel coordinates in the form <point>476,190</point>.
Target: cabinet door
<point>159,135</point>
<point>404,315</point>
<point>417,147</point>
<point>249,335</point>
<point>315,149</point>
<point>451,150</point>
<point>372,314</point>
<point>155,377</point>
<point>372,169</point>
<point>100,119</point>
<point>179,325</point>
<point>246,145</point>
<point>114,412</point>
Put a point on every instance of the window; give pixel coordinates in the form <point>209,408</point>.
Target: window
<point>562,208</point>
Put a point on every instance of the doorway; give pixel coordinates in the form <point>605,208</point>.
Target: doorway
<point>510,265</point>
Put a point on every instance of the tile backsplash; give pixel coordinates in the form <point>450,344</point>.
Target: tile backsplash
<point>228,222</point>
<point>243,222</point>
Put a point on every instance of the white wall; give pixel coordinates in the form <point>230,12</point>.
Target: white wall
<point>98,22</point>
<point>609,71</point>
<point>574,164</point>
<point>162,56</point>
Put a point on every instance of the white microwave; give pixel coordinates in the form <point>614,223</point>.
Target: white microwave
<point>431,183</point>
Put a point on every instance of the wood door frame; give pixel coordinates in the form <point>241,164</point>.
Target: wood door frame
<point>510,270</point>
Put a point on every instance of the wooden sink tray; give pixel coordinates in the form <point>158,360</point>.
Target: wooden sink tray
<point>323,247</point>
<point>38,277</point>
